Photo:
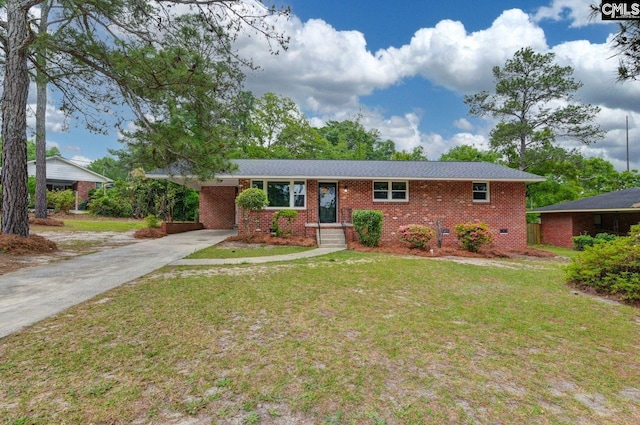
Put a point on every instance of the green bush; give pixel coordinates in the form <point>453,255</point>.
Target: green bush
<point>416,235</point>
<point>583,241</point>
<point>472,236</point>
<point>110,205</point>
<point>289,215</point>
<point>152,221</point>
<point>61,200</point>
<point>368,226</point>
<point>251,201</point>
<point>609,268</point>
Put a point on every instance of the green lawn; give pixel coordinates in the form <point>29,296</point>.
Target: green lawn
<point>89,225</point>
<point>235,252</point>
<point>349,338</point>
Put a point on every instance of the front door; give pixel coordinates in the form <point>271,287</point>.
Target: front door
<point>327,202</point>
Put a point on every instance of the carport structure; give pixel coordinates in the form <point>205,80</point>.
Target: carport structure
<point>613,212</point>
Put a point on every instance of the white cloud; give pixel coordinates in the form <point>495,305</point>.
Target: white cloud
<point>327,72</point>
<point>403,130</point>
<point>435,145</point>
<point>52,144</point>
<point>83,161</point>
<point>450,57</point>
<point>463,124</point>
<point>576,11</point>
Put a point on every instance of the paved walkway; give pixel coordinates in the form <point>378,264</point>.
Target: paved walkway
<point>34,293</point>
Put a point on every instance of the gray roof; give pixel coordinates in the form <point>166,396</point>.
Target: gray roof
<point>621,200</point>
<point>350,169</point>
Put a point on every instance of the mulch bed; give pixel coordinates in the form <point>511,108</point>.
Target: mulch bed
<point>267,239</point>
<point>17,245</point>
<point>46,222</point>
<point>399,248</point>
<point>149,233</point>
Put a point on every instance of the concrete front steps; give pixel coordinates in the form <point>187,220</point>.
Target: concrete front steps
<point>331,238</point>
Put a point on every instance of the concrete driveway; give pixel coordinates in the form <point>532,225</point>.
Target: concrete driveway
<point>34,293</point>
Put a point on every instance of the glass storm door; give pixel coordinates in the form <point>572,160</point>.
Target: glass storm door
<point>327,202</point>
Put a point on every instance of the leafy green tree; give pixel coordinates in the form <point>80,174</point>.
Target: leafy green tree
<point>110,167</point>
<point>527,88</point>
<point>416,154</point>
<point>276,128</point>
<point>552,191</point>
<point>119,52</point>
<point>626,44</point>
<point>350,140</point>
<point>469,153</point>
<point>139,197</point>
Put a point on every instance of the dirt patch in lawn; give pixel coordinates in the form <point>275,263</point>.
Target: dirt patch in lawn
<point>17,252</point>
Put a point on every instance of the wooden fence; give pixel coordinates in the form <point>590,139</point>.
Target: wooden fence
<point>534,236</point>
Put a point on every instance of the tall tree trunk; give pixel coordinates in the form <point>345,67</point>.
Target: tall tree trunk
<point>15,218</point>
<point>523,151</point>
<point>41,118</point>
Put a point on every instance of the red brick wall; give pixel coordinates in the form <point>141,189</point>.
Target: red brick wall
<point>217,207</point>
<point>83,189</point>
<point>174,227</point>
<point>304,216</point>
<point>449,201</point>
<point>560,228</point>
<point>557,229</point>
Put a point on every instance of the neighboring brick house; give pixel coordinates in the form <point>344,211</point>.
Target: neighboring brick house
<point>326,192</point>
<point>64,174</point>
<point>613,212</point>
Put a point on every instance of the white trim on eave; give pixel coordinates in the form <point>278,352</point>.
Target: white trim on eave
<point>298,177</point>
<point>597,210</point>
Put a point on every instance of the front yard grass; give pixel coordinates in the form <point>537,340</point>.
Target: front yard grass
<point>257,251</point>
<point>89,225</point>
<point>352,338</point>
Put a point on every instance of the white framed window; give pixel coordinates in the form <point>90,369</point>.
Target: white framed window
<point>480,192</point>
<point>390,191</point>
<point>284,193</point>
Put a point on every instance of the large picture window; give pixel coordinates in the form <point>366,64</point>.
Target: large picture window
<point>283,193</point>
<point>390,191</point>
<point>480,192</point>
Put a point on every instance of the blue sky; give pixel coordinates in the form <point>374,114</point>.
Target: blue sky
<point>405,66</point>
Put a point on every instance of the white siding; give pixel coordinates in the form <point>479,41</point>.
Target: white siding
<point>61,170</point>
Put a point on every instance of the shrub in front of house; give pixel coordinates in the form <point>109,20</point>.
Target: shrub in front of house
<point>109,204</point>
<point>368,225</point>
<point>252,201</point>
<point>582,241</point>
<point>416,235</point>
<point>61,200</point>
<point>290,216</point>
<point>473,236</point>
<point>610,268</point>
<point>152,221</point>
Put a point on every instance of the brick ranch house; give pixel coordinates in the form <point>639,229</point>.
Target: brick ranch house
<point>613,212</point>
<point>326,192</point>
<point>63,174</point>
